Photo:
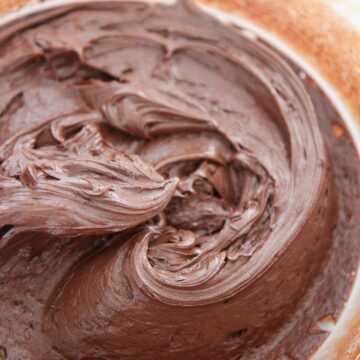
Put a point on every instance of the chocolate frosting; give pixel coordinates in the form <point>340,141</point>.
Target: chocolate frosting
<point>163,183</point>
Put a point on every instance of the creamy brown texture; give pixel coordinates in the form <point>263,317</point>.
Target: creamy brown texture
<point>164,185</point>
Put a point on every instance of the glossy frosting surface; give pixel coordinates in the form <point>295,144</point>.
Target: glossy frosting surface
<point>164,184</point>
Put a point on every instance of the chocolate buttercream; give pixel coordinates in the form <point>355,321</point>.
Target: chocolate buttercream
<point>166,191</point>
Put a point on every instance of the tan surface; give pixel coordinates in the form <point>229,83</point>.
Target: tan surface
<point>10,5</point>
<point>327,34</point>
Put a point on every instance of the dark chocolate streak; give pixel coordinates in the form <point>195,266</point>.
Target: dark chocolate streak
<point>182,158</point>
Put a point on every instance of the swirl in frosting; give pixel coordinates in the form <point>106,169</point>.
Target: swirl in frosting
<point>169,177</point>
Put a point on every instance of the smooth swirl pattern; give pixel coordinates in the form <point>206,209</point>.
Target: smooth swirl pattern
<point>191,149</point>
